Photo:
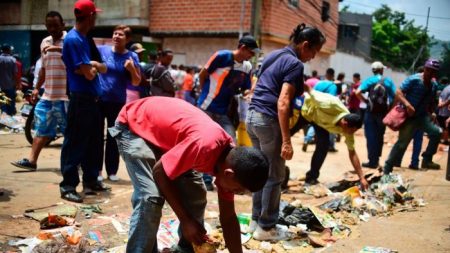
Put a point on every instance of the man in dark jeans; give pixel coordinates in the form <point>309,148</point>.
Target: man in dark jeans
<point>82,144</point>
<point>328,114</point>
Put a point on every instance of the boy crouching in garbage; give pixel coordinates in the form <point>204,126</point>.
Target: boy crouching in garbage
<point>166,143</point>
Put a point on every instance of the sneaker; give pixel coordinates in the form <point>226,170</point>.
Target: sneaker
<point>100,178</point>
<point>25,164</point>
<point>113,178</point>
<point>273,234</point>
<point>304,147</point>
<point>370,165</point>
<point>430,165</point>
<point>72,196</point>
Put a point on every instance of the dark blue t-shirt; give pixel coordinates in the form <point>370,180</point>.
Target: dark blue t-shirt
<point>76,52</point>
<point>287,68</point>
<point>116,79</point>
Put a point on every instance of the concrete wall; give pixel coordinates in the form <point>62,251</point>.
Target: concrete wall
<point>197,51</point>
<point>360,43</point>
<point>349,64</point>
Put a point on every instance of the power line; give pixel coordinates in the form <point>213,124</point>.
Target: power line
<point>411,14</point>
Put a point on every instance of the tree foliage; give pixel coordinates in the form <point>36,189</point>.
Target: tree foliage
<point>396,41</point>
<point>445,64</point>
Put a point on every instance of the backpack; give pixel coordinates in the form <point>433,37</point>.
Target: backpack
<point>378,98</point>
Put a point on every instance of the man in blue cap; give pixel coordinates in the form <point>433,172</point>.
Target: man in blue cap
<point>417,93</point>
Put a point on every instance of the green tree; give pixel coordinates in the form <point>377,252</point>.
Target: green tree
<point>445,64</point>
<point>396,41</point>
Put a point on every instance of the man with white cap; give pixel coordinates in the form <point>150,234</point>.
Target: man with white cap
<point>381,94</point>
<point>417,93</point>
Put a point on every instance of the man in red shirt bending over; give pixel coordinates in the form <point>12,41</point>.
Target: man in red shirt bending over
<point>166,144</point>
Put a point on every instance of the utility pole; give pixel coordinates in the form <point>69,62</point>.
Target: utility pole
<point>423,46</point>
<point>241,24</point>
<point>255,28</point>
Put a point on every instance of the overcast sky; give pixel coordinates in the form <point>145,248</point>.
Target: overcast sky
<point>438,24</point>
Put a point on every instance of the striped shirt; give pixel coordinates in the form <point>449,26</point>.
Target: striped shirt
<point>55,71</point>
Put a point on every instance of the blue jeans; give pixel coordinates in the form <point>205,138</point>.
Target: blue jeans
<point>406,133</point>
<point>10,109</point>
<point>265,134</point>
<point>309,135</point>
<point>374,131</point>
<point>417,147</point>
<point>110,111</point>
<point>82,142</point>
<point>147,201</point>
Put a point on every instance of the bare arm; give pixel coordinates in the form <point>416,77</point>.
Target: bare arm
<point>192,230</point>
<point>201,77</point>
<point>359,95</point>
<point>101,67</point>
<point>134,72</point>
<point>230,226</point>
<point>40,82</point>
<point>284,105</point>
<point>354,159</point>
<point>88,71</point>
<point>401,97</point>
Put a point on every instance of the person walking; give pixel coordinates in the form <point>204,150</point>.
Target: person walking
<point>381,94</point>
<point>50,112</point>
<point>417,94</point>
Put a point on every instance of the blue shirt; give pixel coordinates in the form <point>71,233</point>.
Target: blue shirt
<point>116,79</point>
<point>445,96</point>
<point>373,80</point>
<point>287,68</point>
<point>226,76</point>
<point>8,71</point>
<point>326,86</point>
<point>418,94</point>
<point>76,52</point>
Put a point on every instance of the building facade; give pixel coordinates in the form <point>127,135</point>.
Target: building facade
<point>195,29</point>
<point>355,34</point>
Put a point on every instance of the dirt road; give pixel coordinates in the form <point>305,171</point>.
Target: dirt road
<point>425,230</point>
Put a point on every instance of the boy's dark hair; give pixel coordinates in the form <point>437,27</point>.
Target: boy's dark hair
<point>165,52</point>
<point>357,75</point>
<point>353,120</point>
<point>330,71</point>
<point>311,34</point>
<point>443,80</point>
<point>314,73</point>
<point>52,14</point>
<point>250,166</point>
<point>126,30</point>
<point>341,76</point>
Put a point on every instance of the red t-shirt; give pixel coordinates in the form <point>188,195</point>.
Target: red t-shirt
<point>353,101</point>
<point>188,137</point>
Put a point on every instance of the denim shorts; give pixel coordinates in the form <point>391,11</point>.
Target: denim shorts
<point>48,115</point>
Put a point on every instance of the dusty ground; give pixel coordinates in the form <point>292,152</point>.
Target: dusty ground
<point>426,230</point>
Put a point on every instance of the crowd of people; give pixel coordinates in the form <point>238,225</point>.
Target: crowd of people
<point>172,125</point>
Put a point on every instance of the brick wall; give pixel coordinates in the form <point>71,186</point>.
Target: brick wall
<point>191,16</point>
<point>279,19</point>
